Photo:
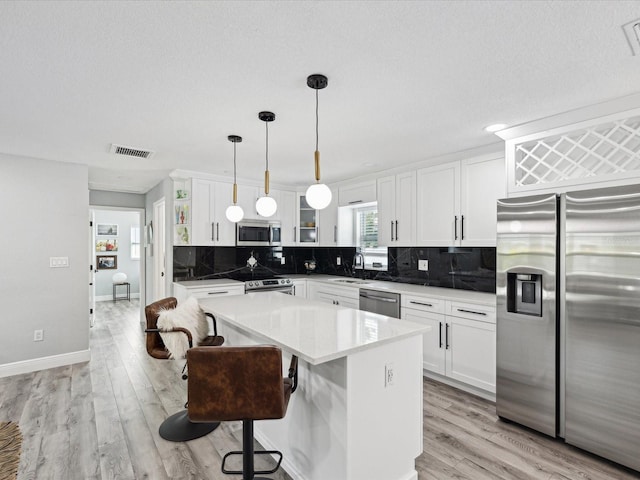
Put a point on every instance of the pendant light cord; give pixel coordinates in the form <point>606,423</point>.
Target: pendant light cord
<point>316,119</point>
<point>234,162</point>
<point>266,126</point>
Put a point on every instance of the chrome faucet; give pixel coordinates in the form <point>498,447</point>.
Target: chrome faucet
<point>358,261</point>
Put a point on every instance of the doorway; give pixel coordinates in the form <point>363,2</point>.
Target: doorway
<point>117,248</point>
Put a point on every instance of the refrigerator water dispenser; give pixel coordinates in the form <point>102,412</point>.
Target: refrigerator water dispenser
<point>524,293</point>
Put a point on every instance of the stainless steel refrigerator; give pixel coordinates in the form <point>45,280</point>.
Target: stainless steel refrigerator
<point>568,318</point>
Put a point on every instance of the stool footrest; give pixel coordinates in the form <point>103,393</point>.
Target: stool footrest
<point>257,472</point>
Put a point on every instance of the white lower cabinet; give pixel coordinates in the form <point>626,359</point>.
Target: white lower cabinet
<point>462,342</point>
<point>300,288</point>
<point>182,292</point>
<point>340,296</point>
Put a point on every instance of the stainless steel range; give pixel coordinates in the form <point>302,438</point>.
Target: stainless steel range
<point>284,285</point>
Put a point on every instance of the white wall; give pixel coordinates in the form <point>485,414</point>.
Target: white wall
<point>125,220</point>
<point>45,213</point>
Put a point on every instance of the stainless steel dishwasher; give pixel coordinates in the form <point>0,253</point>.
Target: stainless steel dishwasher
<point>384,303</point>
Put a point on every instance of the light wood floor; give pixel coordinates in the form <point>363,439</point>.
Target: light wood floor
<point>99,421</point>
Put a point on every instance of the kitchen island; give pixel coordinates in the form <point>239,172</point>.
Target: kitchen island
<point>357,413</point>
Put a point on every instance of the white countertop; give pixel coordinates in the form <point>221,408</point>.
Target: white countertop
<point>216,282</point>
<point>314,331</point>
<point>481,298</point>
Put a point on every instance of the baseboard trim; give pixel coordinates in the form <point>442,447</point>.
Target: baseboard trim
<point>491,396</point>
<point>35,364</point>
<point>109,298</point>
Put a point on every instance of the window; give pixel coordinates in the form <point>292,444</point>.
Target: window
<point>135,242</point>
<point>366,237</point>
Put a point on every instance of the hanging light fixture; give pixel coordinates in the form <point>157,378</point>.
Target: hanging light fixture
<point>234,212</point>
<point>318,195</point>
<point>266,206</point>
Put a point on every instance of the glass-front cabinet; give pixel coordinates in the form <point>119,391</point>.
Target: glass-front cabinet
<point>307,223</point>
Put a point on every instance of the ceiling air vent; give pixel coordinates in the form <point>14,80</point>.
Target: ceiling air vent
<point>632,32</point>
<point>130,151</point>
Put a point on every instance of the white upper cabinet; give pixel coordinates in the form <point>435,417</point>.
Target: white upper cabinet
<point>351,195</point>
<point>328,224</point>
<point>457,202</point>
<point>483,182</point>
<point>306,230</point>
<point>287,215</point>
<point>209,223</point>
<point>397,209</point>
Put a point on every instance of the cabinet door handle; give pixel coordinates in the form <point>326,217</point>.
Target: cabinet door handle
<point>353,202</point>
<point>420,303</point>
<point>294,234</point>
<point>446,337</point>
<point>440,335</point>
<point>213,231</point>
<point>397,231</point>
<point>455,227</point>
<point>335,234</point>
<point>471,311</point>
<point>462,227</point>
<point>217,231</point>
<point>216,293</point>
<point>392,230</point>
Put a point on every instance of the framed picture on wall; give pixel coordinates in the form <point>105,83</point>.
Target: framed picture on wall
<point>107,262</point>
<point>107,245</point>
<point>107,230</point>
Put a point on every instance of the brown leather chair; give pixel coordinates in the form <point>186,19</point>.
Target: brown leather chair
<point>240,383</point>
<point>155,345</point>
<point>177,428</point>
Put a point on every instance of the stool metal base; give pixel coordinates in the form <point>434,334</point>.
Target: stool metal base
<point>178,428</point>
<point>248,472</point>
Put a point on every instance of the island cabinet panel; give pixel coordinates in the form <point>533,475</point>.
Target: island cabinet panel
<point>357,411</point>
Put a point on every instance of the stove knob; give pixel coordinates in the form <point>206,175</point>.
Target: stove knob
<point>288,281</point>
<point>251,284</point>
<point>281,281</point>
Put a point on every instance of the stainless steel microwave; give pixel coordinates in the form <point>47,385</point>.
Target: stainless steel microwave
<point>264,233</point>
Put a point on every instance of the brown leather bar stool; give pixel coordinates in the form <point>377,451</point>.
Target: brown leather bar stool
<point>240,383</point>
<point>177,427</point>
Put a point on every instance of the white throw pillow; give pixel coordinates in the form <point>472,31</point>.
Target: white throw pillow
<point>189,315</point>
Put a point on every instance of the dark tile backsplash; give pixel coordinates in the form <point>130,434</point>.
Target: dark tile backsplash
<point>452,267</point>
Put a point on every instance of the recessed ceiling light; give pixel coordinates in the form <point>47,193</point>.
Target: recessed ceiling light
<point>496,127</point>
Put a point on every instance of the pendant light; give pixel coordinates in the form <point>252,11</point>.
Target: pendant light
<point>318,195</point>
<point>266,206</point>
<point>234,212</point>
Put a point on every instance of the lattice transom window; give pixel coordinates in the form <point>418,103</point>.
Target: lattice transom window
<point>601,151</point>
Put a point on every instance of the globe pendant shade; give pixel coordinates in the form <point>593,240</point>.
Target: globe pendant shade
<point>266,206</point>
<point>318,196</point>
<point>234,213</point>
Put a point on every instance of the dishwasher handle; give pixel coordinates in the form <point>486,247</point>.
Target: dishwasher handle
<point>379,298</point>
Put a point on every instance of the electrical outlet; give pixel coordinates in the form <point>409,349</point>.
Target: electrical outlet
<point>282,260</point>
<point>338,261</point>
<point>423,265</point>
<point>389,375</point>
<point>38,335</point>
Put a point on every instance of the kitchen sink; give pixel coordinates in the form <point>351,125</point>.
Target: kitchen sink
<point>349,280</point>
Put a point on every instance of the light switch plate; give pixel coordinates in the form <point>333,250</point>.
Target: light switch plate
<point>423,265</point>
<point>282,260</point>
<point>58,262</point>
<point>338,261</point>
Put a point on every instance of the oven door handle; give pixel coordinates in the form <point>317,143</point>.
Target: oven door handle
<point>380,299</point>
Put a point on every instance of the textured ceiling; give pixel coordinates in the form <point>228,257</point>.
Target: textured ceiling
<point>408,81</point>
